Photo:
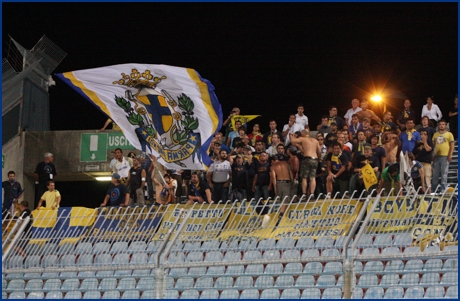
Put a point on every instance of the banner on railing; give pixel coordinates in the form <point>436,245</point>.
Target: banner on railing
<point>205,222</point>
<point>321,218</point>
<point>118,223</point>
<point>245,222</point>
<point>436,215</point>
<point>419,215</point>
<point>393,214</point>
<point>66,224</point>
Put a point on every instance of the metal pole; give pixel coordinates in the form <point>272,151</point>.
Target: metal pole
<point>16,237</point>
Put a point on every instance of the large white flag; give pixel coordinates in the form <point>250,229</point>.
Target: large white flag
<point>405,173</point>
<point>170,112</point>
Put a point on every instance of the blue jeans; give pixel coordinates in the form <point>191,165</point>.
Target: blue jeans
<point>440,169</point>
<point>261,191</point>
<point>219,193</point>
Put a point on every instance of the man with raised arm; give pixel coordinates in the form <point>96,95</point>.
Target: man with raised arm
<point>311,158</point>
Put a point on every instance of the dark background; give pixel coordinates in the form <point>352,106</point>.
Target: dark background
<point>262,57</point>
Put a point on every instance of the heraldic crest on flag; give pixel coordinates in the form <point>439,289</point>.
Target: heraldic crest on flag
<point>168,111</point>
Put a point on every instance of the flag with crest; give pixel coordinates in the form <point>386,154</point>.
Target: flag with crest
<point>170,112</point>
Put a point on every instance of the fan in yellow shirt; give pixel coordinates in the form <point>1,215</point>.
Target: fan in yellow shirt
<point>52,197</point>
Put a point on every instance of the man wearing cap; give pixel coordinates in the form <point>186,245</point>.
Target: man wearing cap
<point>118,194</point>
<point>52,197</point>
<point>136,182</point>
<point>44,172</point>
<point>122,165</point>
<point>332,136</point>
<point>356,181</point>
<point>219,176</point>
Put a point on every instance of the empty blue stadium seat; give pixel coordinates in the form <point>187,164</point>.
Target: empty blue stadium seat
<point>101,247</point>
<point>17,295</point>
<point>310,253</point>
<point>73,295</point>
<point>332,293</point>
<point>229,294</point>
<point>290,293</point>
<point>274,268</point>
<point>36,295</point>
<point>216,270</point>
<point>89,284</point>
<point>324,242</point>
<point>368,280</point>
<point>111,295</point>
<point>365,241</point>
<point>92,295</point>
<point>430,278</point>
<point>214,256</point>
<point>394,265</point>
<point>305,243</point>
<point>414,265</point>
<point>333,267</point>
<point>254,269</point>
<point>70,284</point>
<point>131,294</point>
<point>402,240</point>
<point>192,246</point>
<point>52,284</point>
<point>414,292</point>
<point>169,294</point>
<point>145,283</point>
<point>311,293</point>
<point>232,256</point>
<point>249,293</point>
<point>394,293</point>
<point>190,294</point>
<point>450,264</point>
<point>452,292</point>
<point>330,252</point>
<point>252,255</point>
<point>370,251</point>
<point>391,251</point>
<point>197,271</point>
<point>285,281</point>
<point>264,281</point>
<point>126,283</point>
<point>209,294</point>
<point>270,293</point>
<point>290,254</point>
<point>305,281</point>
<point>326,281</point>
<point>450,278</point>
<point>34,284</point>
<point>293,268</point>
<point>271,254</point>
<point>176,257</point>
<point>433,292</point>
<point>266,244</point>
<point>383,240</point>
<point>244,282</point>
<point>374,293</point>
<point>357,293</point>
<point>204,283</point>
<point>235,270</point>
<point>224,282</point>
<point>410,279</point>
<point>373,266</point>
<point>54,295</point>
<point>389,280</point>
<point>313,268</point>
<point>285,243</point>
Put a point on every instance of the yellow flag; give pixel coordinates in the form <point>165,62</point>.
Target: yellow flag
<point>369,177</point>
<point>243,118</point>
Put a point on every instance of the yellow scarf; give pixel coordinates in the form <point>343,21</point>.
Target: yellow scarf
<point>409,134</point>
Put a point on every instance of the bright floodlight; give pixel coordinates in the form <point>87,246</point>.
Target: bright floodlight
<point>376,98</point>
<point>103,178</point>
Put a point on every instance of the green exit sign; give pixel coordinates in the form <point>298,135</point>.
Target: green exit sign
<point>93,147</point>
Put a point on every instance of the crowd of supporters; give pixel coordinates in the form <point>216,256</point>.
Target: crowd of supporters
<point>290,161</point>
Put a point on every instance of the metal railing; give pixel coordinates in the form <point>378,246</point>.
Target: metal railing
<point>182,238</point>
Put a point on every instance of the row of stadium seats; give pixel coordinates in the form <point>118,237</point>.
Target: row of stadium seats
<point>380,241</point>
<point>223,282</point>
<point>251,293</point>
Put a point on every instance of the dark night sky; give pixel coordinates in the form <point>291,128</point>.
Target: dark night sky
<point>263,57</point>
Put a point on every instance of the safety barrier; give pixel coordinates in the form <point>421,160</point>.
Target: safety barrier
<point>345,244</point>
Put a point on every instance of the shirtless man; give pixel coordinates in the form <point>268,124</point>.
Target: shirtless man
<point>281,180</point>
<point>294,164</point>
<point>365,113</point>
<point>390,142</point>
<point>164,192</point>
<point>311,158</point>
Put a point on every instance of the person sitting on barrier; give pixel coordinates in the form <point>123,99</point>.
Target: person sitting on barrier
<point>389,181</point>
<point>199,191</point>
<point>52,197</point>
<point>165,192</point>
<point>117,194</point>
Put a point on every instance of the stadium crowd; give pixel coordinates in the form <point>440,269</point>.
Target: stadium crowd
<point>287,161</point>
